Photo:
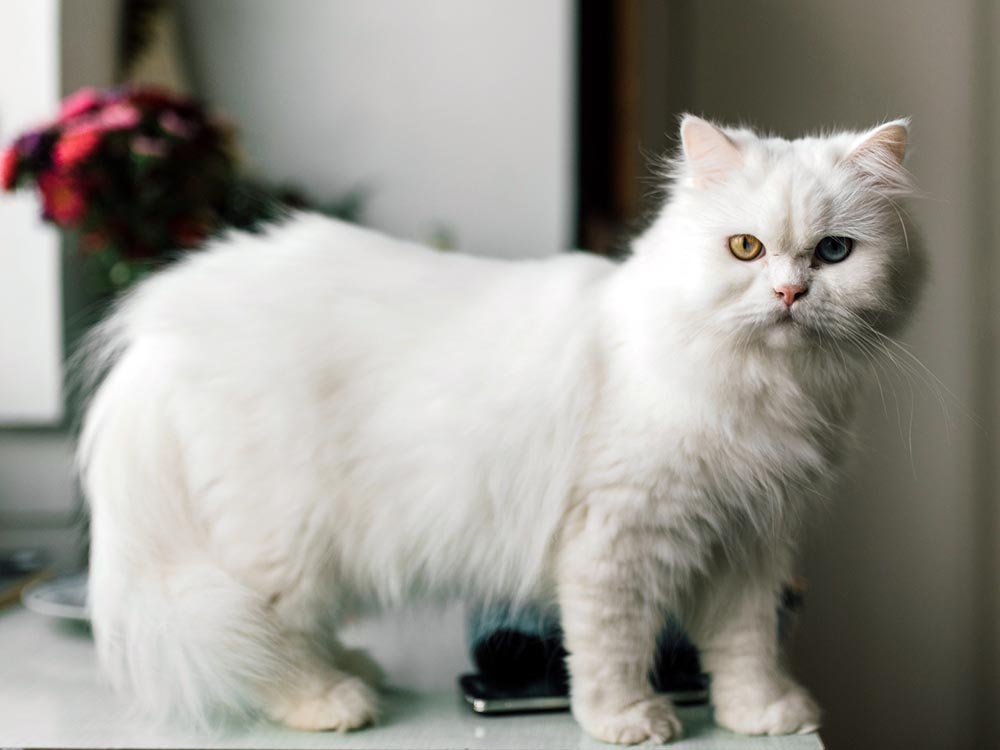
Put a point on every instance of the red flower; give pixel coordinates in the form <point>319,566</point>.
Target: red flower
<point>153,97</point>
<point>94,241</point>
<point>8,168</point>
<point>62,200</point>
<point>75,146</point>
<point>84,100</point>
<point>189,231</point>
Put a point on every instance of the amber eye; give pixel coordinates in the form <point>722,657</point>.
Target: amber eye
<point>746,246</point>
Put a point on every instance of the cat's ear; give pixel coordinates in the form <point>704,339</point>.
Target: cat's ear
<point>879,153</point>
<point>886,143</point>
<point>709,153</point>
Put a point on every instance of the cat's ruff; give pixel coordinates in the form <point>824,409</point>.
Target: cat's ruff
<point>320,421</point>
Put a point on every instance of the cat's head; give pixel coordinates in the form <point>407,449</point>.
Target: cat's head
<point>788,242</point>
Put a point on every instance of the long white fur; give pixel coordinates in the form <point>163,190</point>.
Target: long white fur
<point>321,421</point>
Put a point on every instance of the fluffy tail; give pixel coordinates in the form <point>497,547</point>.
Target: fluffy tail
<point>172,628</point>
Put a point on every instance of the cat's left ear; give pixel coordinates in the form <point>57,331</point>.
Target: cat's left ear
<point>882,148</point>
<point>708,152</point>
<point>878,157</point>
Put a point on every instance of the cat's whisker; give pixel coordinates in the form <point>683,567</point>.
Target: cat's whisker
<point>899,215</point>
<point>883,357</point>
<point>903,358</point>
<point>872,362</point>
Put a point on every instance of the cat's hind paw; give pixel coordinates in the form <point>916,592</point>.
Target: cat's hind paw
<point>347,704</point>
<point>795,712</point>
<point>648,720</point>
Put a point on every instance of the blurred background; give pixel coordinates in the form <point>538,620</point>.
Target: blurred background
<point>525,127</point>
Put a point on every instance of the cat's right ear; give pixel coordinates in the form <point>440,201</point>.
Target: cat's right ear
<point>709,153</point>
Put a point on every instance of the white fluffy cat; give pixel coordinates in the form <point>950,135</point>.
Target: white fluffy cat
<point>302,426</point>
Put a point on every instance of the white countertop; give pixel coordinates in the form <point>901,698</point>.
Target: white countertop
<point>50,696</point>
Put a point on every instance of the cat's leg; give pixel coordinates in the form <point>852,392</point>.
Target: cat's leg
<point>611,617</point>
<point>736,631</point>
<point>327,687</point>
<point>324,685</point>
<point>324,698</point>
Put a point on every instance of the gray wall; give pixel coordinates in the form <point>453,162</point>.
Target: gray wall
<point>899,636</point>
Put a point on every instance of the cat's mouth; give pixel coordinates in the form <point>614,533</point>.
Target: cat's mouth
<point>783,328</point>
<point>786,323</point>
<point>785,317</point>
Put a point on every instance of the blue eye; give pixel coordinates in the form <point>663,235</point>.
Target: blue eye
<point>834,249</point>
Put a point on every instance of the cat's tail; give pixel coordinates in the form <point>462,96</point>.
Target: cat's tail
<point>172,628</point>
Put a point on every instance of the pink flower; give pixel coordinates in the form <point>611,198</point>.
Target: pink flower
<point>62,200</point>
<point>85,124</point>
<point>75,146</point>
<point>173,123</point>
<point>119,116</point>
<point>115,117</point>
<point>143,145</point>
<point>84,100</point>
<point>8,168</point>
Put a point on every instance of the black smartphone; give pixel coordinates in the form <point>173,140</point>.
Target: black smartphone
<point>522,672</point>
<point>487,695</point>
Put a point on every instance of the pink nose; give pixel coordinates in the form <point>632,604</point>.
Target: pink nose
<point>789,293</point>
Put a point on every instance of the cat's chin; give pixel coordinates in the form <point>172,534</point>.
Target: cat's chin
<point>786,333</point>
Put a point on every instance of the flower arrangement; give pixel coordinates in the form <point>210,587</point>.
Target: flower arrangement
<point>138,173</point>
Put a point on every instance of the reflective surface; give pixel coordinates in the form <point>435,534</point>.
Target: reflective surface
<point>50,696</point>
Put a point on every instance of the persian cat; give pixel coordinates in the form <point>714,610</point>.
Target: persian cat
<point>303,426</point>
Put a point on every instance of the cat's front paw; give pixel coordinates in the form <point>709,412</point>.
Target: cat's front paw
<point>755,711</point>
<point>648,720</point>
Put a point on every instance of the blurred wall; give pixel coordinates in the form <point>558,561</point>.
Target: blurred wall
<point>30,310</point>
<point>448,114</point>
<point>54,47</point>
<point>899,637</point>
